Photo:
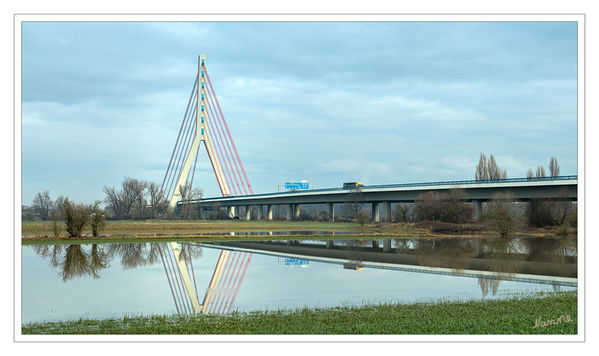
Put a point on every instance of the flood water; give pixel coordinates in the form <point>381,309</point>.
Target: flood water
<point>64,282</point>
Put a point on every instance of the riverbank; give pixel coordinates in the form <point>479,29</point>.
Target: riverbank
<point>544,313</point>
<point>149,230</point>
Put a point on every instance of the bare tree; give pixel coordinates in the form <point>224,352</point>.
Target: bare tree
<point>58,208</point>
<point>540,172</point>
<point>352,206</point>
<point>42,204</point>
<point>77,216</point>
<point>401,213</point>
<point>503,214</point>
<point>553,167</point>
<point>121,202</point>
<point>482,172</point>
<point>488,169</point>
<point>137,189</point>
<point>155,198</point>
<point>529,174</point>
<point>189,211</point>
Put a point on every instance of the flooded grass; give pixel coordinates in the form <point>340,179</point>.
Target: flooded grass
<point>169,229</point>
<point>518,315</point>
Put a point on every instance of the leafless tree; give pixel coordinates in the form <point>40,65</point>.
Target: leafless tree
<point>401,213</point>
<point>42,204</point>
<point>77,216</point>
<point>352,206</point>
<point>362,217</point>
<point>529,174</point>
<point>121,202</point>
<point>137,189</point>
<point>189,211</point>
<point>58,208</point>
<point>482,172</point>
<point>488,169</point>
<point>503,214</point>
<point>553,167</point>
<point>541,172</point>
<point>155,198</point>
<point>97,218</point>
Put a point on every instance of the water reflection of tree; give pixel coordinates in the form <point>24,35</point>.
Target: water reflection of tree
<point>144,254</point>
<point>77,260</point>
<point>488,284</point>
<point>74,261</point>
<point>450,253</point>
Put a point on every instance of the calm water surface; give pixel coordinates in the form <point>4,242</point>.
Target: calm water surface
<point>61,282</point>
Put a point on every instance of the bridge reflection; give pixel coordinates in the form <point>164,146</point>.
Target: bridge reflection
<point>489,261</point>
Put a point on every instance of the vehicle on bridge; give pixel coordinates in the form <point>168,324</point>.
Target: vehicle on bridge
<point>349,185</point>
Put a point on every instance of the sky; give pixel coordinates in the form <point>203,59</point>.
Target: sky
<point>330,102</point>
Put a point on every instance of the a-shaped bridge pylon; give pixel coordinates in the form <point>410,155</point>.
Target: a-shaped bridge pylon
<point>222,290</point>
<point>204,122</point>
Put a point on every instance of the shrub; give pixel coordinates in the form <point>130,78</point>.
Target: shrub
<point>401,213</point>
<point>97,218</point>
<point>77,216</point>
<point>362,217</point>
<point>502,214</point>
<point>448,207</point>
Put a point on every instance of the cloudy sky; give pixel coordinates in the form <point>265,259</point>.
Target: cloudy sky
<point>386,102</point>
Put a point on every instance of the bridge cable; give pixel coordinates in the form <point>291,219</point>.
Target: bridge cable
<point>175,167</point>
<point>223,151</point>
<point>226,145</point>
<point>236,289</point>
<point>229,134</point>
<point>227,277</point>
<point>219,152</point>
<point>212,97</point>
<point>186,144</point>
<point>193,89</point>
<point>169,280</point>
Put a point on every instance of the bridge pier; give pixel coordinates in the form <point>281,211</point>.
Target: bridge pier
<point>288,212</point>
<point>387,210</point>
<point>478,208</point>
<point>232,212</point>
<point>376,216</point>
<point>387,245</point>
<point>296,211</point>
<point>269,216</point>
<point>331,209</point>
<point>259,212</point>
<point>247,212</point>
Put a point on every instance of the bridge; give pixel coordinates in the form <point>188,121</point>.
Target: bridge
<point>204,122</point>
<point>477,192</point>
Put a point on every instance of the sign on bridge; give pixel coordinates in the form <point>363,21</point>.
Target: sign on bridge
<point>296,186</point>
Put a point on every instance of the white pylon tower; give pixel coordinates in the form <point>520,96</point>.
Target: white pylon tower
<point>201,134</point>
<point>205,122</point>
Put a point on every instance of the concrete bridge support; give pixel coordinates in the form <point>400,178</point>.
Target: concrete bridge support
<point>296,212</point>
<point>376,216</point>
<point>232,211</point>
<point>331,209</point>
<point>248,210</point>
<point>478,208</point>
<point>289,209</point>
<point>387,245</point>
<point>387,211</point>
<point>259,212</point>
<point>269,214</point>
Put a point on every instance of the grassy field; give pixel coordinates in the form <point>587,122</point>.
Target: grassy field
<point>517,315</point>
<point>43,231</point>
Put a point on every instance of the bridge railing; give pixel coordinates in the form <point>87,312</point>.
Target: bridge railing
<point>403,185</point>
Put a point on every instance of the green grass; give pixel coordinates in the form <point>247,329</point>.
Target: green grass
<point>516,315</point>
